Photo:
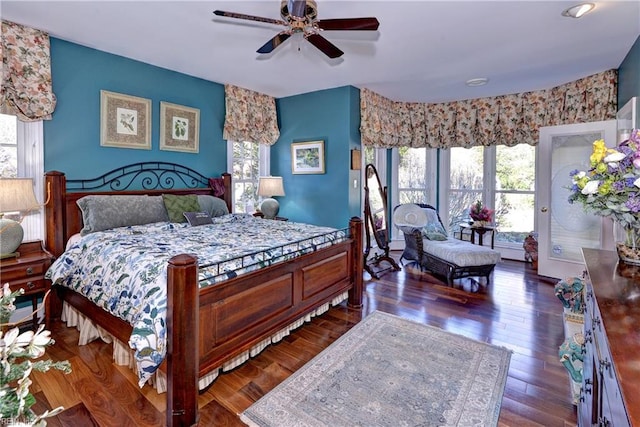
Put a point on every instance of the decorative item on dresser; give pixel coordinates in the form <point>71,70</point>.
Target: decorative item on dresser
<point>27,271</point>
<point>609,189</point>
<point>611,380</point>
<point>230,313</point>
<point>268,187</point>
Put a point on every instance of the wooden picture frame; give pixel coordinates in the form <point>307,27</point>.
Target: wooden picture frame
<point>356,159</point>
<point>307,157</point>
<point>125,121</point>
<point>179,128</point>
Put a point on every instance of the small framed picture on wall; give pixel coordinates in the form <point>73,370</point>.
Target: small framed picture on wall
<point>307,157</point>
<point>125,121</point>
<point>179,128</point>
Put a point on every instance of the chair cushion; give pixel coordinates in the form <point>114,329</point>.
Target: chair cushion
<point>460,253</point>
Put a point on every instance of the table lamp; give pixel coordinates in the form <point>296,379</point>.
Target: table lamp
<point>270,186</point>
<point>16,195</point>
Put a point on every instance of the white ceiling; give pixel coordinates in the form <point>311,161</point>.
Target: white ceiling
<point>424,51</point>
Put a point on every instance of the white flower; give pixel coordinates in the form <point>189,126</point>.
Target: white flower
<point>591,187</point>
<point>616,156</point>
<point>637,182</point>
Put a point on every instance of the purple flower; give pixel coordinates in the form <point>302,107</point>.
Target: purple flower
<point>633,204</point>
<point>619,186</point>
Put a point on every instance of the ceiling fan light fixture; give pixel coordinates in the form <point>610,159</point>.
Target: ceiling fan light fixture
<point>578,10</point>
<point>480,81</point>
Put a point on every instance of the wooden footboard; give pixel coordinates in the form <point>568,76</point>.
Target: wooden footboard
<point>206,327</point>
<point>234,315</point>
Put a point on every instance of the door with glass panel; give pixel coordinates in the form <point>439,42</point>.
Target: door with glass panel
<point>565,228</point>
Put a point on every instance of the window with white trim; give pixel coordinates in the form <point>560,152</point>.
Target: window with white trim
<point>22,156</point>
<point>247,162</point>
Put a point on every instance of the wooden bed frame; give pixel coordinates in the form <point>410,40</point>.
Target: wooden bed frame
<point>209,326</point>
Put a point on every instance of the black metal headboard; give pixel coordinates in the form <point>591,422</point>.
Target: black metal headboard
<point>145,175</point>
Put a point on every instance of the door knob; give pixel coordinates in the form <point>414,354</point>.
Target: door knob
<point>543,209</point>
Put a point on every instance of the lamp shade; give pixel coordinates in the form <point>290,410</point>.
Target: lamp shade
<point>16,195</point>
<point>270,186</point>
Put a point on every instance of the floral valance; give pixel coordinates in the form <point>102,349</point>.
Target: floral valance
<point>26,89</point>
<point>501,120</point>
<point>250,116</point>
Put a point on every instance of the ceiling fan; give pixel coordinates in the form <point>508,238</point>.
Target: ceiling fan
<point>301,16</point>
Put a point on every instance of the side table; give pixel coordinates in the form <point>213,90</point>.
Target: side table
<point>27,271</point>
<point>480,230</point>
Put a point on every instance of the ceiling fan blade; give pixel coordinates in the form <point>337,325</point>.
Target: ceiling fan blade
<point>276,41</point>
<point>324,45</point>
<point>370,24</point>
<point>297,8</point>
<point>249,17</point>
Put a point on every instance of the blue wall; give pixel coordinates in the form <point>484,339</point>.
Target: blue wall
<point>328,115</point>
<point>629,75</point>
<point>72,137</point>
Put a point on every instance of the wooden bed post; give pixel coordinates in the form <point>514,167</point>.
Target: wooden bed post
<point>55,214</point>
<point>226,179</point>
<point>355,293</point>
<point>182,341</point>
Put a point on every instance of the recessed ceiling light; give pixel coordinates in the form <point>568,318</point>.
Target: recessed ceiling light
<point>477,82</point>
<point>578,10</point>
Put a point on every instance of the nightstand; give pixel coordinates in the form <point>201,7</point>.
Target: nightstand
<point>27,272</point>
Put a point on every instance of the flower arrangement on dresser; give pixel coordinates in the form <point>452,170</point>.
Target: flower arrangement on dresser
<point>16,353</point>
<point>611,188</point>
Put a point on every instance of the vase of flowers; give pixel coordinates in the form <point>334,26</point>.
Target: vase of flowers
<point>481,215</point>
<point>611,188</point>
<point>17,350</point>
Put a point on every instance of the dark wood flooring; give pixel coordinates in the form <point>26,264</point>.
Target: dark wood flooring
<point>518,310</point>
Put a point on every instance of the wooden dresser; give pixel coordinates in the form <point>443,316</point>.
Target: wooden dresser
<point>611,378</point>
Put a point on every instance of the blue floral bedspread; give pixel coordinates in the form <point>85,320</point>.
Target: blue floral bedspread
<point>124,270</point>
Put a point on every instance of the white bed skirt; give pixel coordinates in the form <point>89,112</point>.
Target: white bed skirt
<point>123,354</point>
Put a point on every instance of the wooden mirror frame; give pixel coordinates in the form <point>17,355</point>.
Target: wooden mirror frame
<point>381,235</point>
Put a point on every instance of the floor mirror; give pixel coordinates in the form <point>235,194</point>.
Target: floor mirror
<point>376,219</point>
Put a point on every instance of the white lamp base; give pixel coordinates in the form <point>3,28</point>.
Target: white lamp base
<point>11,235</point>
<point>270,208</point>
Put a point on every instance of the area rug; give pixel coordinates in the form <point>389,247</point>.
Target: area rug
<point>389,371</point>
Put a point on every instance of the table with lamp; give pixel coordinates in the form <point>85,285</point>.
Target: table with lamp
<point>269,187</point>
<point>22,264</point>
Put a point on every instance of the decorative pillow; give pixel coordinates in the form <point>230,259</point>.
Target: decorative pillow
<point>198,218</point>
<point>177,205</point>
<point>434,229</point>
<point>214,206</point>
<point>433,235</point>
<point>110,211</point>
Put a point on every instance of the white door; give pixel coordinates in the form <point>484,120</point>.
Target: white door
<point>565,228</point>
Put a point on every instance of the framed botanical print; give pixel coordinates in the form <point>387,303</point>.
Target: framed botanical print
<point>179,128</point>
<point>307,157</point>
<point>125,121</point>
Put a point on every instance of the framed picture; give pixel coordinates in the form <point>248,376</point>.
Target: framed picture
<point>179,128</point>
<point>125,121</point>
<point>307,157</point>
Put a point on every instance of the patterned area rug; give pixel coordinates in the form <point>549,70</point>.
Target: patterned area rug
<point>388,371</point>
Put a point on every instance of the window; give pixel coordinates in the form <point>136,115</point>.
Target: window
<point>416,175</point>
<point>22,155</point>
<point>502,177</point>
<point>8,146</point>
<point>246,161</point>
